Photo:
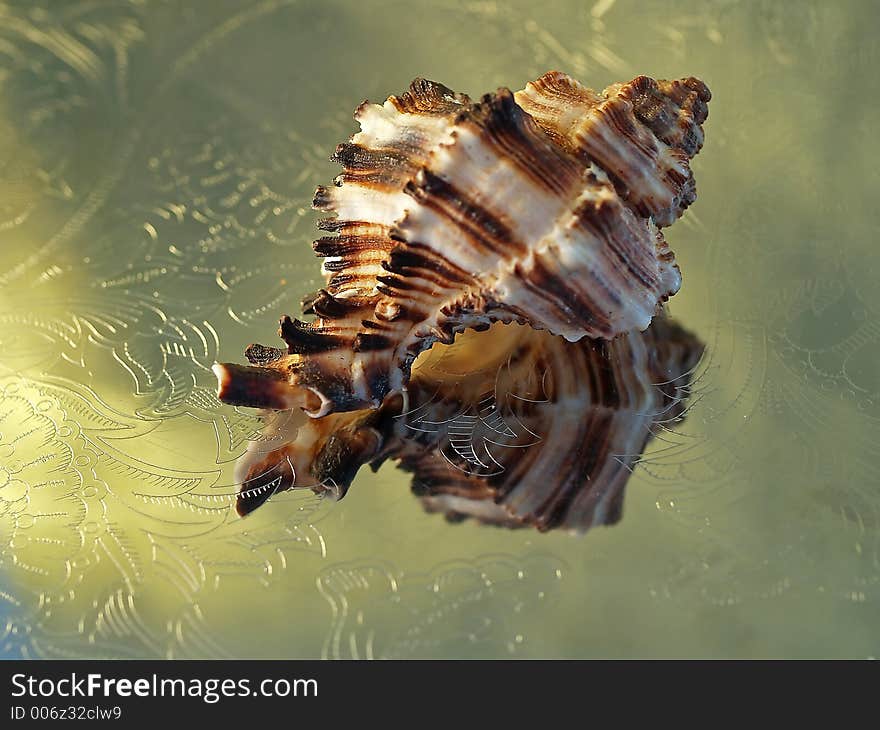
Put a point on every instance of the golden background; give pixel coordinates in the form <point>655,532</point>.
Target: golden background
<point>157,162</point>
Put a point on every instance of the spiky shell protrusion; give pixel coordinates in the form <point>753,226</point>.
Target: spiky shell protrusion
<point>542,208</point>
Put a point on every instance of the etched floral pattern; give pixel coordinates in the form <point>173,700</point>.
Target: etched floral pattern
<point>156,168</point>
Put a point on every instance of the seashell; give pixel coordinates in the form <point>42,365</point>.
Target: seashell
<point>513,427</point>
<point>542,207</point>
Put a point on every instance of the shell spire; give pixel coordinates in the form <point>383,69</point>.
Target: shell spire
<point>642,134</point>
<point>542,207</point>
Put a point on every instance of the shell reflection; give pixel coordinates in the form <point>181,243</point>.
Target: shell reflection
<point>512,426</point>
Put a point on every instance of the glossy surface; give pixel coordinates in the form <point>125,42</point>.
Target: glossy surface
<point>157,162</point>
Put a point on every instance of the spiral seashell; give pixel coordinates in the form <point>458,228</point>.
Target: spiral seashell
<point>542,208</point>
<point>513,427</point>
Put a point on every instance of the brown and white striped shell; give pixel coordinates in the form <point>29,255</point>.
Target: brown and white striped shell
<point>542,207</point>
<point>513,427</point>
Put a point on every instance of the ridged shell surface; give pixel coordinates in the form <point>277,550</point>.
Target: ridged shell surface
<point>542,207</point>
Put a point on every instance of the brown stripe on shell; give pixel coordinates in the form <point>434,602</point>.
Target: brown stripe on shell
<point>383,168</point>
<point>336,225</point>
<point>306,339</point>
<point>674,110</point>
<point>557,95</point>
<point>480,226</point>
<point>625,239</point>
<point>429,97</point>
<point>351,243</point>
<point>366,342</point>
<point>382,171</point>
<point>516,137</point>
<point>572,303</point>
<point>641,134</point>
<point>421,257</point>
<point>262,355</point>
<point>326,306</point>
<point>356,158</point>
